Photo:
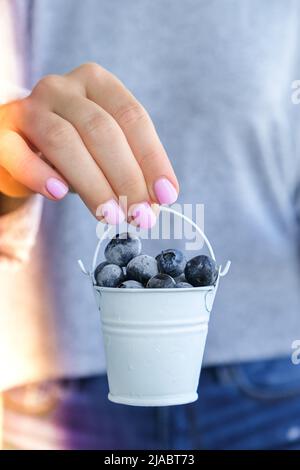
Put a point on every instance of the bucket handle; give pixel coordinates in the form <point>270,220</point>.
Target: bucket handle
<point>222,272</point>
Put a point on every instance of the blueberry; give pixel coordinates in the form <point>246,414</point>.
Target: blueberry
<point>180,278</point>
<point>122,248</point>
<point>131,285</point>
<point>171,262</point>
<point>110,275</point>
<point>100,267</point>
<point>160,281</point>
<point>141,268</point>
<point>201,271</point>
<point>183,285</point>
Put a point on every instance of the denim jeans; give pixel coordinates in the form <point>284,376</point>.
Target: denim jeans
<point>253,405</point>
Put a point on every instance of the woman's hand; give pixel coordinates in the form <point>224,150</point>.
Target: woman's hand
<point>85,129</point>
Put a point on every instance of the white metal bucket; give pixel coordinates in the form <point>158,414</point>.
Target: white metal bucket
<point>154,338</point>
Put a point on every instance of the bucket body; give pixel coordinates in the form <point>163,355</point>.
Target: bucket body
<point>154,338</point>
<point>154,343</point>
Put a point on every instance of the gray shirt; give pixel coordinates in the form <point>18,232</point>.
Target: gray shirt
<point>216,78</point>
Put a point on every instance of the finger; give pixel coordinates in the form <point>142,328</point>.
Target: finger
<point>60,143</point>
<point>108,92</point>
<point>25,167</point>
<point>107,144</point>
<point>11,187</point>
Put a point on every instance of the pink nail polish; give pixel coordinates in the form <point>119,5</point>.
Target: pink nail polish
<point>112,212</point>
<point>143,215</point>
<point>56,188</point>
<point>165,191</point>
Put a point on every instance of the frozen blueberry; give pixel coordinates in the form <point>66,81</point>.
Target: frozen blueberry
<point>160,281</point>
<point>110,275</point>
<point>180,278</point>
<point>201,271</point>
<point>122,248</point>
<point>183,285</point>
<point>100,267</point>
<point>141,268</point>
<point>171,262</point>
<point>131,285</point>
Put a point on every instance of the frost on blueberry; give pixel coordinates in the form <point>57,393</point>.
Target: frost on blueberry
<point>110,275</point>
<point>131,285</point>
<point>201,271</point>
<point>171,262</point>
<point>180,278</point>
<point>125,267</point>
<point>122,248</point>
<point>183,285</point>
<point>99,268</point>
<point>161,281</point>
<point>141,268</point>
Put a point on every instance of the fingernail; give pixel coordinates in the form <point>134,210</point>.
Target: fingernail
<point>165,191</point>
<point>112,212</point>
<point>143,215</point>
<point>56,188</point>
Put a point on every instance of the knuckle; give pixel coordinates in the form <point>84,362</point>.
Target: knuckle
<point>27,110</point>
<point>26,107</point>
<point>131,114</point>
<point>92,69</point>
<point>130,185</point>
<point>98,122</point>
<point>47,84</point>
<point>59,135</point>
<point>151,158</point>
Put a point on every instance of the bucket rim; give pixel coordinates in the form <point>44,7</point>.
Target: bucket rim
<point>151,290</point>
